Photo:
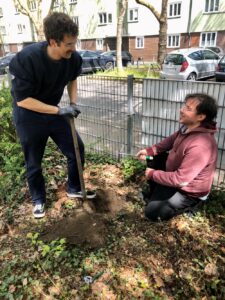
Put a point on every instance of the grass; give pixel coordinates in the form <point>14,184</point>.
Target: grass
<point>142,71</point>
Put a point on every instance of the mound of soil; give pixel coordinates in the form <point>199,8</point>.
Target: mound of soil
<point>81,228</point>
<point>87,225</point>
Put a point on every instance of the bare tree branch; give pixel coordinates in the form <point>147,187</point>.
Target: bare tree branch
<point>36,17</point>
<point>162,19</point>
<point>151,7</point>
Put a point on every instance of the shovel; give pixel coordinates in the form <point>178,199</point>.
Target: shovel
<point>78,159</point>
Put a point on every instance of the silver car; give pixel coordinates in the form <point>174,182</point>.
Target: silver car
<point>189,64</point>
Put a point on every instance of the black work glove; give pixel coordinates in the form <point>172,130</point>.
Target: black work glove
<point>69,111</point>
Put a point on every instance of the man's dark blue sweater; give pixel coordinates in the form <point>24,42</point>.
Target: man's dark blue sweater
<point>37,76</point>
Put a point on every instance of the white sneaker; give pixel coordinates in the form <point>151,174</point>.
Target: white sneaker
<point>89,194</point>
<point>39,210</point>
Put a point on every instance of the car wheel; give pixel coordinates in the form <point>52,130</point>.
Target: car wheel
<point>109,65</point>
<point>192,77</point>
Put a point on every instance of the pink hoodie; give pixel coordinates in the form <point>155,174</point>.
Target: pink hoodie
<point>191,163</point>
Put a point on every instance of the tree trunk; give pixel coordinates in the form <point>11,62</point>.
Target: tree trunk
<point>162,32</point>
<point>122,10</point>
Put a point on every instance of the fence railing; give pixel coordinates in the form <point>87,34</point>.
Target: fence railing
<point>120,116</point>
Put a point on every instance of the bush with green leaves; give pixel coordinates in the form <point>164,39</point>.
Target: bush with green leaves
<point>132,167</point>
<point>12,176</point>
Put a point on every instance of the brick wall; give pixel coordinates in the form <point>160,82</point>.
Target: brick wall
<point>150,50</point>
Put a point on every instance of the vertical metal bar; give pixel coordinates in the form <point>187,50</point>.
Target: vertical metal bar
<point>130,114</point>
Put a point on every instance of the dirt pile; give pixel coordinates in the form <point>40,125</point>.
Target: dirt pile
<point>87,225</point>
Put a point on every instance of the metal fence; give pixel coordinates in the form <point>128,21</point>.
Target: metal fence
<point>120,116</point>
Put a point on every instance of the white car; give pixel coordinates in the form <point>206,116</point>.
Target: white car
<point>189,64</point>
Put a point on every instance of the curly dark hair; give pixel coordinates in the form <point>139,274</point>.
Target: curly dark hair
<point>57,24</point>
<point>207,105</point>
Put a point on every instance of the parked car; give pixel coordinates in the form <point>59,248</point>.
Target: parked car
<point>189,64</point>
<point>93,61</point>
<point>127,58</point>
<point>220,70</point>
<point>4,62</point>
<point>217,50</point>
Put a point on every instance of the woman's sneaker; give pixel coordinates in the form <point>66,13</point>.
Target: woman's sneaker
<point>39,210</point>
<point>89,194</point>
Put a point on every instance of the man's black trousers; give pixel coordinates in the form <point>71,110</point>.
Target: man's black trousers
<point>33,137</point>
<point>164,202</point>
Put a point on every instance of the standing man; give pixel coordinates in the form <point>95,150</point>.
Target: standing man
<point>186,179</point>
<point>40,73</point>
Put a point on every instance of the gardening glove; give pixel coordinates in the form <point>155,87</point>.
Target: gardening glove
<point>69,111</point>
<point>75,108</point>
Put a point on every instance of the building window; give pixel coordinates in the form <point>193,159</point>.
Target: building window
<point>20,28</point>
<point>173,41</point>
<point>208,39</point>
<point>105,18</point>
<point>139,42</point>
<point>6,47</point>
<point>76,20</point>
<point>56,4</point>
<point>72,1</point>
<point>174,10</point>
<point>99,44</point>
<point>19,47</point>
<point>133,15</point>
<point>212,5</point>
<point>2,30</point>
<point>1,12</point>
<point>16,10</point>
<point>33,5</point>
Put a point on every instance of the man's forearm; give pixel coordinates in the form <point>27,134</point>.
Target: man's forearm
<point>38,106</point>
<point>72,91</point>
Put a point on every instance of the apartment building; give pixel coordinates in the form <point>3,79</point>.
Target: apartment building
<point>190,23</point>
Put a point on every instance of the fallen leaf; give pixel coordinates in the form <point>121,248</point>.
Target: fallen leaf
<point>211,269</point>
<point>25,281</point>
<point>12,288</point>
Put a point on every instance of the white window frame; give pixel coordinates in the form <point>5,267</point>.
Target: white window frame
<point>174,6</point>
<point>1,12</point>
<point>33,5</point>
<point>212,6</point>
<point>104,18</point>
<point>99,44</point>
<point>6,47</point>
<point>2,30</point>
<point>72,2</point>
<point>173,41</point>
<point>208,41</point>
<point>76,20</point>
<point>19,28</point>
<point>134,12</point>
<point>139,42</point>
<point>17,11</point>
<point>19,47</point>
<point>56,3</point>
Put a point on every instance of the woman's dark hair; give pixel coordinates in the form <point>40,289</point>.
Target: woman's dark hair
<point>57,24</point>
<point>207,105</point>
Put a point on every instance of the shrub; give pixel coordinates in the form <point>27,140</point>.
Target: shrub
<point>11,157</point>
